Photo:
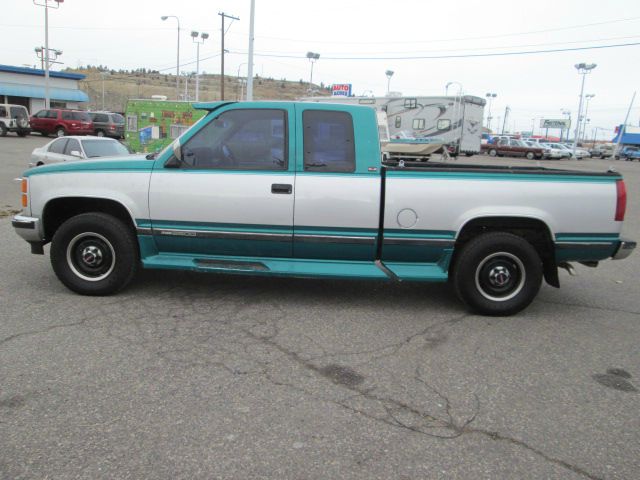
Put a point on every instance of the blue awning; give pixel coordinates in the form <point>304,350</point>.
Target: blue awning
<point>33,91</point>
<point>630,135</point>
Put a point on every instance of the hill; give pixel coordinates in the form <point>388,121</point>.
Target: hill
<point>121,85</point>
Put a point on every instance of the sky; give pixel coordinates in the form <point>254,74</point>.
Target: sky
<point>359,40</point>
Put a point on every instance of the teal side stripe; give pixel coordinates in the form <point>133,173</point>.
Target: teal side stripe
<point>91,166</point>
<point>422,234</point>
<point>207,226</point>
<point>587,237</point>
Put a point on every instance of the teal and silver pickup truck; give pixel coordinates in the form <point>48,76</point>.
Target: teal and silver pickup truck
<point>299,189</point>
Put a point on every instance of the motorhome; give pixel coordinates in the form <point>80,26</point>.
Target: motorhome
<point>457,120</point>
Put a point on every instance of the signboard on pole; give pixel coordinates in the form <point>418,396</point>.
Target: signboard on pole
<point>562,123</point>
<point>341,90</point>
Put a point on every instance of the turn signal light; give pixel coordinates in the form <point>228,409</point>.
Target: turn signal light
<point>24,189</point>
<point>621,200</point>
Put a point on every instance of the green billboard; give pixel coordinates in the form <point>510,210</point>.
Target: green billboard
<point>151,125</point>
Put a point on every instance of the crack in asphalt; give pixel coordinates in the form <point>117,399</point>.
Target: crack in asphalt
<point>239,341</point>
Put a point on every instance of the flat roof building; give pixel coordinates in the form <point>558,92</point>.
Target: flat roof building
<point>25,86</point>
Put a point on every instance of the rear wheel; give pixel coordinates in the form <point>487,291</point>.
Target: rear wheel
<point>493,152</point>
<point>94,254</point>
<point>497,273</point>
<point>3,130</point>
<point>530,155</point>
<point>60,132</point>
<point>99,133</point>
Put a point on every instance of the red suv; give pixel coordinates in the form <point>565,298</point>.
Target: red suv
<point>61,122</point>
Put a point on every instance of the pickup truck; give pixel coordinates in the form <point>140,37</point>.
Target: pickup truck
<point>299,189</point>
<point>512,147</point>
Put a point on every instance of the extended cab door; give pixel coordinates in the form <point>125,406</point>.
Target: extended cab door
<point>337,183</point>
<point>232,193</point>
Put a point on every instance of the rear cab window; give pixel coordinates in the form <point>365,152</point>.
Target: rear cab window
<point>328,141</point>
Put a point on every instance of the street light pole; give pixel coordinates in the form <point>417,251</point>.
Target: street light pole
<point>389,74</point>
<point>313,58</point>
<point>47,6</point>
<point>194,38</point>
<point>583,69</point>
<point>588,97</point>
<point>490,96</point>
<point>164,17</point>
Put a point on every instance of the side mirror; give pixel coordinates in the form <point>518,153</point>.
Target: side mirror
<point>75,153</point>
<point>177,150</point>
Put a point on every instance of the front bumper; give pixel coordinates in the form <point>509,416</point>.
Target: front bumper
<point>28,228</point>
<point>625,248</point>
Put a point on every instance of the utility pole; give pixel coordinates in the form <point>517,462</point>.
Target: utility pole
<point>251,39</point>
<point>222,32</point>
<point>622,128</point>
<point>506,116</point>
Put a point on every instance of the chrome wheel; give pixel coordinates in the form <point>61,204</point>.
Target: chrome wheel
<point>500,276</point>
<point>91,256</point>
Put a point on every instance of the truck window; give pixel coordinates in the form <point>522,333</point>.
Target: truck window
<point>398,121</point>
<point>243,139</point>
<point>410,103</point>
<point>328,141</point>
<point>418,123</point>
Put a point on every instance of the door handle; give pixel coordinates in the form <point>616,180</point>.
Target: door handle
<point>283,188</point>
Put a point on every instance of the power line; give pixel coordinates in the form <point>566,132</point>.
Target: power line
<point>469,55</point>
<point>573,42</point>
<point>452,39</point>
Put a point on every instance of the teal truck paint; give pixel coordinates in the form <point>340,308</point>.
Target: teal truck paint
<point>299,189</point>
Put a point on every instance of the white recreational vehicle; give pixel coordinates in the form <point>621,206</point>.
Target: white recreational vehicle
<point>457,120</point>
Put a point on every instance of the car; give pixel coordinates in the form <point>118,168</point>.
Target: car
<point>579,152</point>
<point>549,152</point>
<point>558,150</point>
<point>239,193</point>
<point>69,149</point>
<point>14,118</point>
<point>602,150</point>
<point>107,124</point>
<point>512,147</point>
<point>62,122</point>
<point>629,153</point>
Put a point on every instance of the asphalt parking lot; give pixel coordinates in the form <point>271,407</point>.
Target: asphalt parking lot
<point>187,375</point>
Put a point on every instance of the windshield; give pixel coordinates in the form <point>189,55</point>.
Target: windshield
<point>104,148</point>
<point>18,112</point>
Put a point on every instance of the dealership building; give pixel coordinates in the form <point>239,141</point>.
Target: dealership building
<point>26,86</point>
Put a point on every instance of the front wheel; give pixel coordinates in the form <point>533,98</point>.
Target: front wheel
<point>3,130</point>
<point>493,152</point>
<point>94,254</point>
<point>530,155</point>
<point>497,273</point>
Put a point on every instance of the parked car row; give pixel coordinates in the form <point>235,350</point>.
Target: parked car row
<point>60,122</point>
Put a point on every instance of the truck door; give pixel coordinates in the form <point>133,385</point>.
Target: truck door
<point>337,183</point>
<point>232,193</point>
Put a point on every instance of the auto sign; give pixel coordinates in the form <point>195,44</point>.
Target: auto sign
<point>341,90</point>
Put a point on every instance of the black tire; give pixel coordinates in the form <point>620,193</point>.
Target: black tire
<point>469,154</point>
<point>23,133</point>
<point>44,134</point>
<point>94,254</point>
<point>497,274</point>
<point>3,130</point>
<point>60,132</point>
<point>530,155</point>
<point>99,133</point>
<point>493,152</point>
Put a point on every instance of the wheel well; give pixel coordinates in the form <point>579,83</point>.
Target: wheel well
<point>59,210</point>
<point>536,232</point>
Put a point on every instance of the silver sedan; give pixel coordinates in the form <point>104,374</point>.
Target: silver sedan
<point>73,148</point>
